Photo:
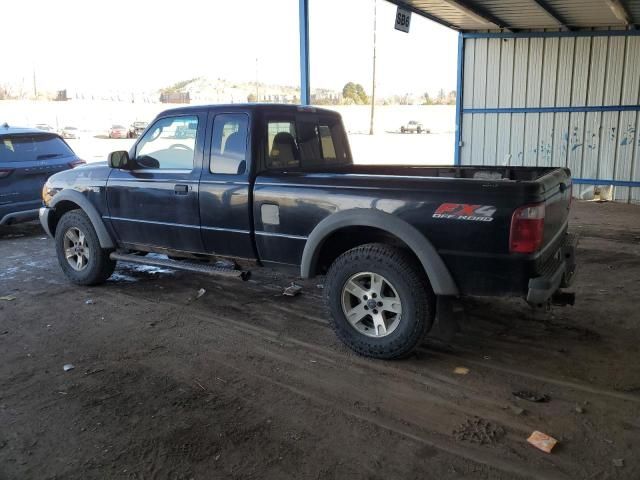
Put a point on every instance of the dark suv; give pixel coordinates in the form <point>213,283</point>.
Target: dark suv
<point>27,158</point>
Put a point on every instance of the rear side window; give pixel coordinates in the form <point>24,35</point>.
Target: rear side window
<point>169,144</point>
<point>282,146</point>
<point>309,143</point>
<point>229,144</point>
<point>32,147</point>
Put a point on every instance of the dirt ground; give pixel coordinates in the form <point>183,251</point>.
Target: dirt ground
<point>245,383</point>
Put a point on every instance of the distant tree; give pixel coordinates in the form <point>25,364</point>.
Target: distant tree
<point>426,99</point>
<point>441,96</point>
<point>354,93</point>
<point>251,98</point>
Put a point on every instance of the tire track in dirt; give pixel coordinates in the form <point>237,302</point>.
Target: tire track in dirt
<point>365,365</point>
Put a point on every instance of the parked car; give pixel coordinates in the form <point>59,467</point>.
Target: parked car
<point>186,130</point>
<point>118,131</point>
<point>45,127</point>
<point>70,133</point>
<point>411,127</point>
<point>276,185</point>
<point>28,157</point>
<point>136,129</point>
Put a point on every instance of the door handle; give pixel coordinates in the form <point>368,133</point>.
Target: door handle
<point>181,189</point>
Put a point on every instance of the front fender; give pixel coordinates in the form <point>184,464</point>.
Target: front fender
<point>96,220</point>
<point>437,272</point>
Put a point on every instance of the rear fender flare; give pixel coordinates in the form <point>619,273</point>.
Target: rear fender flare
<point>87,207</point>
<point>437,272</point>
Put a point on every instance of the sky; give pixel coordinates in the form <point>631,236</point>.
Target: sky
<point>144,45</point>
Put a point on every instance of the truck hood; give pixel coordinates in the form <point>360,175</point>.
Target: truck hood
<point>92,174</point>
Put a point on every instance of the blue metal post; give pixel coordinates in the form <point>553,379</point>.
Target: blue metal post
<point>305,88</point>
<point>458,139</point>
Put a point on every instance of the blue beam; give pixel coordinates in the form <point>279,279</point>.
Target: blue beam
<point>458,136</point>
<point>305,87</point>
<point>594,108</point>
<point>615,183</point>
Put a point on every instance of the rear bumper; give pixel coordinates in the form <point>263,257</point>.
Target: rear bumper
<point>557,273</point>
<point>43,214</point>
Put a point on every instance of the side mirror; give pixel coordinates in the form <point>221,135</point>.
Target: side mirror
<point>119,159</point>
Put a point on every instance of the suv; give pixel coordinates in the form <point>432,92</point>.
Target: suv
<point>136,129</point>
<point>411,127</point>
<point>276,185</point>
<point>27,158</point>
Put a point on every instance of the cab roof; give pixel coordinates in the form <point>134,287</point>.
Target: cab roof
<point>258,107</point>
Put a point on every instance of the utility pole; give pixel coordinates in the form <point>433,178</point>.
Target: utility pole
<point>373,87</point>
<point>257,91</point>
<point>35,88</point>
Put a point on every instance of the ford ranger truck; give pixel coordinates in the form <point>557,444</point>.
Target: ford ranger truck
<point>275,185</point>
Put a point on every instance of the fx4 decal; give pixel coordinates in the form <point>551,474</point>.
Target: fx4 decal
<point>463,211</point>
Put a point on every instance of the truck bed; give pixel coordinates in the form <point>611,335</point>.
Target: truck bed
<point>476,252</point>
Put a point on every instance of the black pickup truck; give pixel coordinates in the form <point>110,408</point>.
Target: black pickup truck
<point>275,185</point>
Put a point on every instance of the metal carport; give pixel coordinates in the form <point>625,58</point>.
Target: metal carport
<point>542,82</point>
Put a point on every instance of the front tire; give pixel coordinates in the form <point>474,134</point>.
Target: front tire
<point>80,255</point>
<point>381,304</point>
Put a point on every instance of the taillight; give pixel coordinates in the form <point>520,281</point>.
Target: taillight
<point>527,229</point>
<point>76,163</point>
<point>5,172</point>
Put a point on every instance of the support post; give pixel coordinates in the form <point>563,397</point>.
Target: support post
<point>373,83</point>
<point>459,84</point>
<point>305,88</point>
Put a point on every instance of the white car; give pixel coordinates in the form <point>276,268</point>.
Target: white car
<point>70,132</point>
<point>411,127</point>
<point>45,127</point>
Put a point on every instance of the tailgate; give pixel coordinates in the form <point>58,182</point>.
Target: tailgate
<point>557,200</point>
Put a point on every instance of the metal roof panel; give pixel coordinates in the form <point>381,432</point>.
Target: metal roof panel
<point>523,14</point>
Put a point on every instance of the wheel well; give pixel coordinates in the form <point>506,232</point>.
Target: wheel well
<point>60,209</point>
<point>350,237</point>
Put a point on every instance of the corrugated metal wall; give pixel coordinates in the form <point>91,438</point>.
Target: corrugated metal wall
<point>505,78</point>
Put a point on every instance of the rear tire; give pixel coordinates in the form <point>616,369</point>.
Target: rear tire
<point>390,324</point>
<point>80,255</point>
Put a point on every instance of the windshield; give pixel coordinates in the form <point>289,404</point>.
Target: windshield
<point>32,147</point>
